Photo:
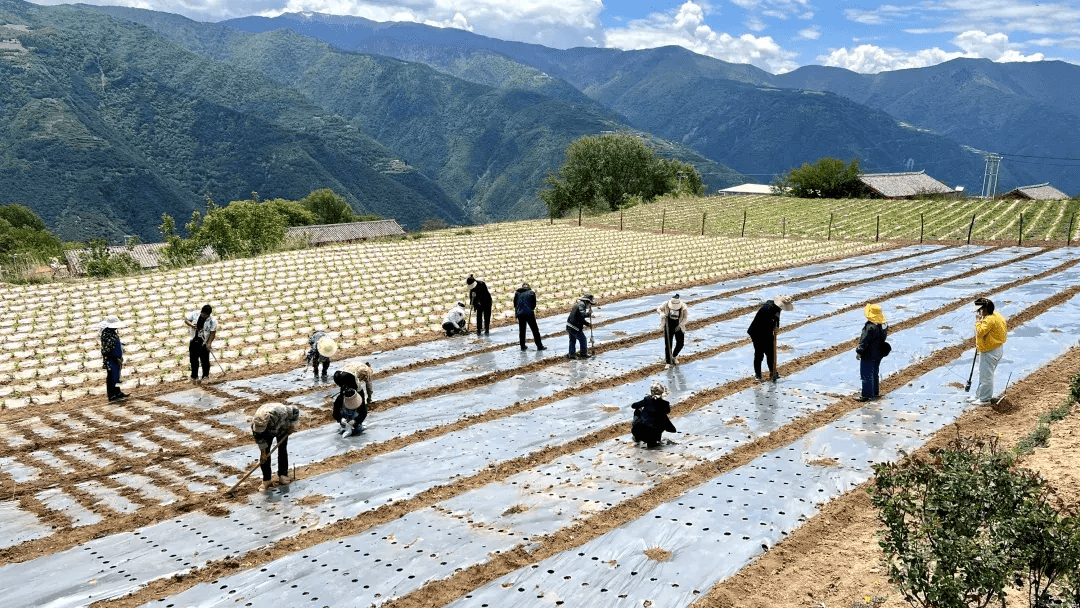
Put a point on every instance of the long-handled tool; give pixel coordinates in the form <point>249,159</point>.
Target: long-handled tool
<point>248,474</point>
<point>468,318</point>
<point>1001,397</point>
<point>667,342</point>
<point>967,387</point>
<point>221,369</point>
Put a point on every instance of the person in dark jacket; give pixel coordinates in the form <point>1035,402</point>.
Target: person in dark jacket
<point>480,300</point>
<point>673,315</point>
<point>580,316</point>
<point>525,311</point>
<point>274,422</point>
<point>651,417</point>
<point>763,330</point>
<point>350,411</point>
<point>871,350</point>
<point>112,357</point>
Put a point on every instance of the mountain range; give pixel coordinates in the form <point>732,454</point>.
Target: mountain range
<point>111,116</point>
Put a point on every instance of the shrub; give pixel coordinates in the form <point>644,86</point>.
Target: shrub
<point>99,262</point>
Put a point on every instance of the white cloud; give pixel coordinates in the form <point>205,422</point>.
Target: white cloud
<point>754,23</point>
<point>810,33</point>
<point>870,59</point>
<point>957,16</point>
<point>686,27</point>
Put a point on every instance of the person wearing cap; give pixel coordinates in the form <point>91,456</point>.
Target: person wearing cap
<point>580,316</point>
<point>673,315</point>
<point>480,300</point>
<point>202,329</point>
<point>322,347</point>
<point>763,331</point>
<point>651,417</point>
<point>352,374</point>
<point>871,350</point>
<point>274,422</point>
<point>112,357</point>
<point>454,321</point>
<point>525,312</point>
<point>350,411</point>
<point>990,330</point>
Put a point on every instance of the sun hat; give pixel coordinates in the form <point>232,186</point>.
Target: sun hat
<point>784,302</point>
<point>260,420</point>
<point>588,298</point>
<point>658,389</point>
<point>326,346</point>
<point>873,313</point>
<point>351,399</point>
<point>112,321</point>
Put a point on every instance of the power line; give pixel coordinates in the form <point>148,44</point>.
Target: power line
<point>1045,157</point>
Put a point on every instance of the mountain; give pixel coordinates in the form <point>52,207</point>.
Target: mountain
<point>488,147</point>
<point>1015,108</point>
<point>105,125</point>
<point>737,115</point>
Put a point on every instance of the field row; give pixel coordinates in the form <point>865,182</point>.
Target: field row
<point>944,220</point>
<point>363,294</point>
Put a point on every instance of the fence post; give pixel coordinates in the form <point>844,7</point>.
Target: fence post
<point>703,223</point>
<point>783,228</point>
<point>1020,236</point>
<point>553,220</point>
<point>830,226</point>
<point>1068,243</point>
<point>921,225</point>
<point>877,233</point>
<point>743,231</point>
<point>663,219</point>
<point>579,215</point>
<point>620,220</point>
<point>970,228</point>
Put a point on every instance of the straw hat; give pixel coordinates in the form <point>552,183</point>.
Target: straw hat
<point>113,322</point>
<point>351,399</point>
<point>261,419</point>
<point>326,346</point>
<point>873,313</point>
<point>784,302</point>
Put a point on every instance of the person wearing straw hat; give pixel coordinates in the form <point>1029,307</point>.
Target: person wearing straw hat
<point>322,347</point>
<point>575,325</point>
<point>454,321</point>
<point>112,356</point>
<point>990,335</point>
<point>525,312</point>
<point>350,411</point>
<point>352,374</point>
<point>871,350</point>
<point>763,330</point>
<point>480,299</point>
<point>673,315</point>
<point>274,422</point>
<point>651,417</point>
<point>202,329</point>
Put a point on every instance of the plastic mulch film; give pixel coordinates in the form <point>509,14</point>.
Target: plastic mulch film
<point>555,495</point>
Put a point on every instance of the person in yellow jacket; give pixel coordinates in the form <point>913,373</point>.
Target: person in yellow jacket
<point>989,340</point>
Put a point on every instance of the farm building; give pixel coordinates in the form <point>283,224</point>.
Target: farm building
<point>345,233</point>
<point>1038,192</point>
<point>904,185</point>
<point>746,189</point>
<point>148,255</point>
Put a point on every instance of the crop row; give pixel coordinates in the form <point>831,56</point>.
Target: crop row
<point>363,294</point>
<point>853,218</point>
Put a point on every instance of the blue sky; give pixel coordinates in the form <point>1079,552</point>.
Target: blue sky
<point>775,35</point>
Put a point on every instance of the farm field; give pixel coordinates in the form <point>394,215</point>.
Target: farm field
<point>945,220</point>
<point>492,476</point>
<point>365,295</point>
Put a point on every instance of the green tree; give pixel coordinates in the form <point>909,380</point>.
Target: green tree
<point>99,262</point>
<point>603,171</point>
<point>294,213</point>
<point>242,228</point>
<point>827,178</point>
<point>328,207</point>
<point>22,231</point>
<point>177,252</point>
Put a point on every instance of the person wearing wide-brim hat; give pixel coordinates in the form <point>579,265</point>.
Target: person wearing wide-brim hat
<point>322,347</point>
<point>990,335</point>
<point>580,316</point>
<point>274,422</point>
<point>651,417</point>
<point>673,316</point>
<point>112,356</point>
<point>350,411</point>
<point>871,350</point>
<point>763,330</point>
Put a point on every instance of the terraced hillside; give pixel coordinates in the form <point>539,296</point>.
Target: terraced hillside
<point>494,476</point>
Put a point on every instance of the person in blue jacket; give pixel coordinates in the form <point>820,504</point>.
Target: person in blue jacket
<point>112,357</point>
<point>525,311</point>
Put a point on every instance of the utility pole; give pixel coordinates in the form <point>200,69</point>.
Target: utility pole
<point>990,175</point>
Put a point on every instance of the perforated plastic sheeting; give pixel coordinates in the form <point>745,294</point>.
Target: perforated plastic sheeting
<point>549,498</point>
<point>714,530</point>
<point>19,525</point>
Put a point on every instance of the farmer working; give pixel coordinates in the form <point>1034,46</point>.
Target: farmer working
<point>454,321</point>
<point>480,299</point>
<point>871,350</point>
<point>651,417</point>
<point>763,331</point>
<point>350,411</point>
<point>673,315</point>
<point>112,357</point>
<point>352,374</point>
<point>525,311</point>
<point>274,422</point>
<point>989,342</point>
<point>322,347</point>
<point>202,329</point>
<point>580,316</point>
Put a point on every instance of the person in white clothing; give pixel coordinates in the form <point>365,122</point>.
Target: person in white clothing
<point>673,315</point>
<point>454,321</point>
<point>202,329</point>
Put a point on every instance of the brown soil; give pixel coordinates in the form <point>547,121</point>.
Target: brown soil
<point>657,554</point>
<point>825,462</point>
